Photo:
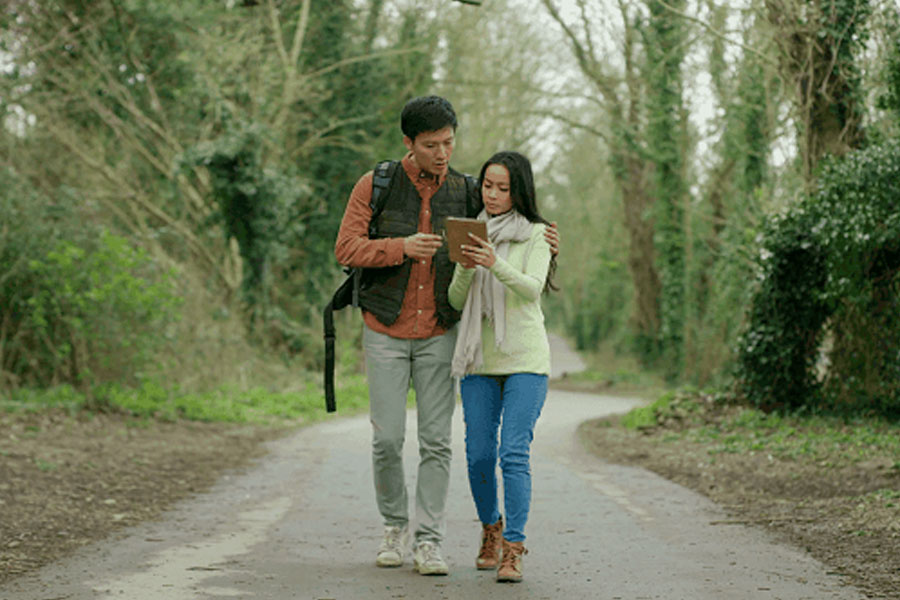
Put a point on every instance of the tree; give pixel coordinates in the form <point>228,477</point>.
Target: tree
<point>620,98</point>
<point>819,42</point>
<point>229,146</point>
<point>665,47</point>
<point>735,189</point>
<point>222,140</point>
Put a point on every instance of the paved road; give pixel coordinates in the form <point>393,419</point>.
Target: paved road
<point>302,524</point>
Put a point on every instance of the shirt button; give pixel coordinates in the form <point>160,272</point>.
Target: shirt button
<point>420,312</point>
<point>423,262</point>
<point>421,286</point>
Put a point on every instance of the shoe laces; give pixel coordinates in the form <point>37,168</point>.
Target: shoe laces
<point>489,542</point>
<point>392,537</point>
<point>429,552</point>
<point>511,554</point>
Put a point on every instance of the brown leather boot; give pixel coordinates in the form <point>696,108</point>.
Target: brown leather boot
<point>489,555</point>
<point>511,563</point>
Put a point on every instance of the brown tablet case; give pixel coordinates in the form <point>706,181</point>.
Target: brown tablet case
<point>456,233</point>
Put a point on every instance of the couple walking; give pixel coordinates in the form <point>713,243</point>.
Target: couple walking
<point>429,321</point>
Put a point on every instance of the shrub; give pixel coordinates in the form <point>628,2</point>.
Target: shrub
<point>829,268</point>
<point>78,304</point>
<point>98,312</point>
<point>266,211</point>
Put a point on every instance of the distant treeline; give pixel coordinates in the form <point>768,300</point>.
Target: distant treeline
<point>724,178</point>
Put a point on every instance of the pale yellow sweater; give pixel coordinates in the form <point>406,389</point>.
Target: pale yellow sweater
<point>529,350</point>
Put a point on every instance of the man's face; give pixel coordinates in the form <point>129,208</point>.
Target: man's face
<point>431,150</point>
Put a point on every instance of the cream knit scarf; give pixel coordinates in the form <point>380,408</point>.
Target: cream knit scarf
<point>487,295</point>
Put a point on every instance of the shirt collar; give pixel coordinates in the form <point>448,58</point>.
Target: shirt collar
<point>418,175</point>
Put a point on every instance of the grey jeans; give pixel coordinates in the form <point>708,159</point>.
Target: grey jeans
<point>391,364</point>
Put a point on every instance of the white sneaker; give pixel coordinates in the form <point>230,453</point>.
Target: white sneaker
<point>427,559</point>
<point>393,547</point>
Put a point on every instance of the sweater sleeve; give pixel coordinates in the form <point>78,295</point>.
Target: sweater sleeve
<point>528,281</point>
<point>459,286</point>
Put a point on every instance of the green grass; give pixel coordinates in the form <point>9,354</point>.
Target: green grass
<point>726,428</point>
<point>828,438</point>
<point>616,377</point>
<point>228,403</point>
<point>45,465</point>
<point>646,416</point>
<point>618,381</point>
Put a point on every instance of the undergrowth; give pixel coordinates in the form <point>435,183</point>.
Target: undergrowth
<point>228,403</point>
<point>725,427</point>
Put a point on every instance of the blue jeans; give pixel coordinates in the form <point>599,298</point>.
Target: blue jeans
<point>510,405</point>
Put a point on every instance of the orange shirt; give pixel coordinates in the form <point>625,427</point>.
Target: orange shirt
<point>353,248</point>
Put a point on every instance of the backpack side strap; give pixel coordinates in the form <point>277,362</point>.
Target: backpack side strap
<point>348,292</point>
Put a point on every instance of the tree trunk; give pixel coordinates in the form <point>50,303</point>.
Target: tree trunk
<point>818,41</point>
<point>641,255</point>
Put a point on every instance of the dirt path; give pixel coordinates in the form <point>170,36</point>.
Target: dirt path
<point>302,524</point>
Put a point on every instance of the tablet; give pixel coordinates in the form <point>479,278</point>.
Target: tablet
<point>457,230</point>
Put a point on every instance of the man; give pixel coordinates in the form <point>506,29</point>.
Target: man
<point>409,332</point>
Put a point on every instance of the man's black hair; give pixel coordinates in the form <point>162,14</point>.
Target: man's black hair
<point>426,113</point>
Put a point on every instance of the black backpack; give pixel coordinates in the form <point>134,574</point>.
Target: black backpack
<point>347,293</point>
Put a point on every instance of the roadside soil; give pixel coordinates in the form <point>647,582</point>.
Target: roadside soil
<point>68,480</point>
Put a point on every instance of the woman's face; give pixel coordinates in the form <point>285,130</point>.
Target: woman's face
<point>495,190</point>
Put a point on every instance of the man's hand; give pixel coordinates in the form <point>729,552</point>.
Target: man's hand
<point>421,245</point>
<point>551,234</point>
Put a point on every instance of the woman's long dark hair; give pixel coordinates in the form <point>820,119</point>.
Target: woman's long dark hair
<point>524,198</point>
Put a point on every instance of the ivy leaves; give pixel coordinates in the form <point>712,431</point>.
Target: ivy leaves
<point>260,208</point>
<point>832,260</point>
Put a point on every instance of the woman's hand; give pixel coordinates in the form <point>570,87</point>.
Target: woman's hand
<point>551,234</point>
<point>480,252</point>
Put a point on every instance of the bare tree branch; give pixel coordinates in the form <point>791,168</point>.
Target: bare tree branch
<point>586,60</point>
<point>717,33</point>
<point>278,35</point>
<point>300,32</point>
<point>574,124</point>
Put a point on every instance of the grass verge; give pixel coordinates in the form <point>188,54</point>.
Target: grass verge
<point>75,467</point>
<point>722,427</point>
<point>228,403</point>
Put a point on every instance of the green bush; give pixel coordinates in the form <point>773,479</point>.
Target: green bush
<point>828,272</point>
<point>78,304</point>
<point>98,312</point>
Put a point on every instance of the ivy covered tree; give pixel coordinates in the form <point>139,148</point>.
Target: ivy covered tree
<point>620,97</point>
<point>820,43</point>
<point>665,41</point>
<point>736,193</point>
<point>830,267</point>
<point>364,100</point>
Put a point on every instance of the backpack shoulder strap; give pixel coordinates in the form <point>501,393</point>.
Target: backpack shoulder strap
<point>348,292</point>
<point>381,183</point>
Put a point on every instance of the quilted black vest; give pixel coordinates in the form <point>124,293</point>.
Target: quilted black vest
<point>382,290</point>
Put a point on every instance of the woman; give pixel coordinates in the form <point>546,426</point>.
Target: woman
<point>502,354</point>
